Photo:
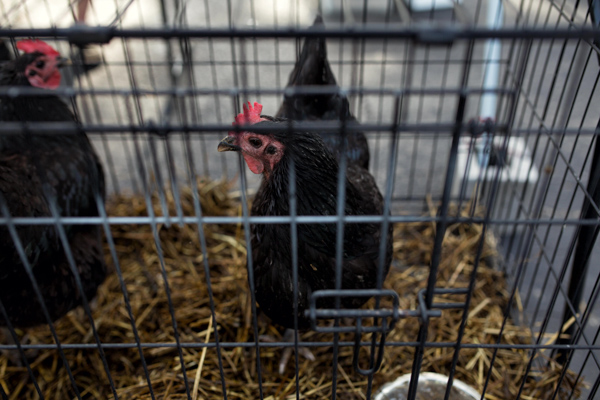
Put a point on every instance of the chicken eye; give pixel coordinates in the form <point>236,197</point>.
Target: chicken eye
<point>255,142</point>
<point>40,64</point>
<point>271,150</point>
<point>32,73</point>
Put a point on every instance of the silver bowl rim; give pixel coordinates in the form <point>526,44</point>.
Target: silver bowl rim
<point>428,376</point>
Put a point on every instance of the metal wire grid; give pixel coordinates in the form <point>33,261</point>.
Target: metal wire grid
<point>425,83</point>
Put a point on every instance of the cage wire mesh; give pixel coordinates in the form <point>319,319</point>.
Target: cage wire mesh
<point>481,119</point>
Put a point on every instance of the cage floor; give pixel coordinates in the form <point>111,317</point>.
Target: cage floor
<point>183,263</point>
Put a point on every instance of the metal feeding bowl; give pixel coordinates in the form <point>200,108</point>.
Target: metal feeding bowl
<point>431,386</point>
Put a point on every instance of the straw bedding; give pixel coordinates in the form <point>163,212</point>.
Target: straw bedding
<point>226,254</point>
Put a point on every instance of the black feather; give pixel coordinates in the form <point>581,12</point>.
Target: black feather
<point>6,53</point>
<point>316,186</point>
<point>316,161</point>
<point>313,69</point>
<point>37,170</point>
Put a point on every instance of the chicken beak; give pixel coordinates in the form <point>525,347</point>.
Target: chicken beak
<point>228,144</point>
<point>63,62</point>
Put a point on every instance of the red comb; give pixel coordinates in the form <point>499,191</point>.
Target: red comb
<point>251,115</point>
<point>31,46</point>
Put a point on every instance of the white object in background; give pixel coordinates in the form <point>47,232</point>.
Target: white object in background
<point>355,7</point>
<point>381,6</point>
<point>428,5</point>
<point>512,165</point>
<point>491,73</point>
<point>491,55</point>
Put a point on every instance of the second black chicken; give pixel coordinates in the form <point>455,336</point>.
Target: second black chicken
<point>37,172</point>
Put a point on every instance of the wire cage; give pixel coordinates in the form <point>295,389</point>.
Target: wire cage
<point>482,132</point>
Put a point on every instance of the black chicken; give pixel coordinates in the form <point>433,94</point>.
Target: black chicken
<point>5,52</point>
<point>316,165</point>
<point>313,69</point>
<point>37,170</point>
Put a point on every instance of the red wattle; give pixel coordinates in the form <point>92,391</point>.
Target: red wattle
<point>255,165</point>
<point>54,81</point>
<point>51,83</point>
